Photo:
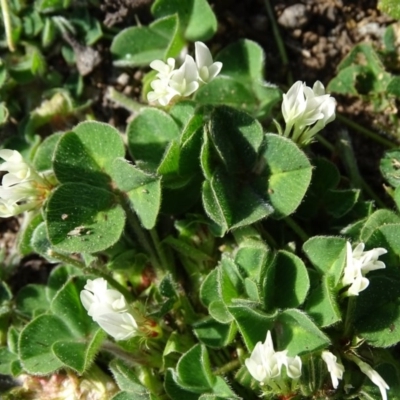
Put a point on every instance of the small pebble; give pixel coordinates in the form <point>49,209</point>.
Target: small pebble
<point>295,16</point>
<point>123,79</point>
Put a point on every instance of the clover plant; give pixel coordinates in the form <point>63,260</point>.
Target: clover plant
<point>206,252</point>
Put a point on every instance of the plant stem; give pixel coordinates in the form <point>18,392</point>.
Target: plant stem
<point>366,132</point>
<point>349,161</point>
<point>296,228</point>
<point>279,41</point>
<point>325,143</point>
<point>348,323</point>
<point>7,24</point>
<point>160,251</point>
<point>228,367</point>
<point>66,259</point>
<point>142,238</point>
<point>124,101</point>
<point>130,358</point>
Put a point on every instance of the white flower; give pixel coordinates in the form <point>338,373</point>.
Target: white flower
<point>162,92</point>
<point>183,82</point>
<point>109,309</point>
<point>164,69</point>
<point>306,111</point>
<point>358,264</point>
<point>185,79</point>
<point>207,68</point>
<point>22,187</point>
<point>335,369</point>
<point>265,364</point>
<point>369,259</point>
<point>293,366</point>
<point>375,378</point>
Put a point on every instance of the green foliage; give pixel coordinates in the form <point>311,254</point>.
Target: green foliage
<point>209,229</point>
<point>241,82</point>
<point>196,18</point>
<point>141,45</point>
<point>390,7</point>
<point>66,337</point>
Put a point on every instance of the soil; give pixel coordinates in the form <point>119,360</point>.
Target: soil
<point>317,34</point>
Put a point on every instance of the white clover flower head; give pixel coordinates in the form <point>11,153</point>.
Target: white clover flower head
<point>109,309</point>
<point>335,369</point>
<point>207,68</point>
<point>164,69</point>
<point>375,378</point>
<point>265,364</point>
<point>162,92</point>
<point>358,264</point>
<point>185,80</point>
<point>306,111</point>
<point>22,188</point>
<point>293,367</point>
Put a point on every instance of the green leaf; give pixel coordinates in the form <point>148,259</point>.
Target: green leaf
<point>230,205</point>
<point>251,256</point>
<point>252,324</point>
<point>361,72</point>
<point>391,7</point>
<point>377,314</point>
<point>237,138</point>
<point>327,255</point>
<point>143,191</point>
<point>322,304</point>
<point>43,159</point>
<point>126,378</point>
<point>139,46</point>
<point>387,236</point>
<point>25,235</point>
<point>208,292</point>
<point>6,359</point>
<point>86,154</point>
<point>285,179</point>
<point>32,24</point>
<point>340,202</point>
<point>67,306</point>
<point>286,282</point>
<point>298,333</point>
<point>393,86</point>
<point>46,6</point>
<point>31,300</point>
<point>194,369</point>
<point>35,345</point>
<point>174,389</point>
<point>182,112</point>
<point>77,355</point>
<point>3,114</point>
<point>196,17</point>
<point>214,334</point>
<point>230,282</point>
<point>83,218</point>
<point>390,167</point>
<point>219,311</point>
<point>325,177</point>
<point>58,277</point>
<point>241,84</point>
<point>40,242</point>
<point>187,249</point>
<point>149,134</point>
<point>376,220</point>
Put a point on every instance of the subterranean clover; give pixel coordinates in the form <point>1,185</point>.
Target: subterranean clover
<point>185,80</point>
<point>23,188</point>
